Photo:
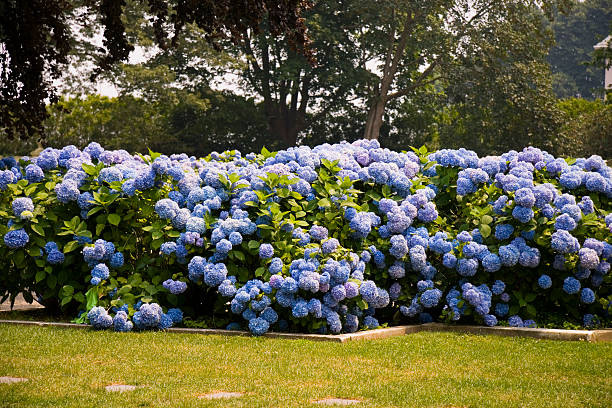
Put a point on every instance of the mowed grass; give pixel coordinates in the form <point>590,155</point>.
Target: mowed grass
<point>70,368</point>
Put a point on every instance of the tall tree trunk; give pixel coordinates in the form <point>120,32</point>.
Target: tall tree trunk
<point>375,118</point>
<point>284,124</point>
<point>395,51</point>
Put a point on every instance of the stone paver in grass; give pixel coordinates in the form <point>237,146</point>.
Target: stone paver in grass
<point>11,380</point>
<point>221,395</point>
<point>336,401</point>
<point>120,387</point>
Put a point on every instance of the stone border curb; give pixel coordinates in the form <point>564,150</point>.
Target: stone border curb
<point>593,336</point>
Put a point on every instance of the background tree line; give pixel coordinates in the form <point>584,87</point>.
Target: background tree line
<point>484,74</point>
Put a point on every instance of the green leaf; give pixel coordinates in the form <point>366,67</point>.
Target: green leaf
<point>124,289</point>
<point>114,219</point>
<point>531,310</point>
<point>34,251</point>
<point>92,297</point>
<point>40,275</point>
<point>253,244</point>
<point>94,211</point>
<point>79,297</point>
<point>485,230</point>
<point>362,304</point>
<point>530,297</point>
<point>51,281</point>
<point>67,290</point>
<point>38,229</point>
<point>66,300</point>
<point>486,219</point>
<point>324,202</point>
<point>260,271</point>
<point>89,169</point>
<point>71,246</point>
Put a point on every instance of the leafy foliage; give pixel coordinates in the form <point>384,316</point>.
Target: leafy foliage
<point>37,40</point>
<point>587,128</point>
<point>570,58</point>
<point>336,238</point>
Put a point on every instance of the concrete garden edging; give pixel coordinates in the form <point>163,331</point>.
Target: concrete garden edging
<point>593,336</point>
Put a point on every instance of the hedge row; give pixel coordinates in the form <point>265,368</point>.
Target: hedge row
<point>330,239</point>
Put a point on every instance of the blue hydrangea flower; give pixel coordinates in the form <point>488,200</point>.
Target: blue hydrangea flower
<point>269,315</point>
<point>276,266</point>
<point>544,281</point>
<point>490,320</point>
<point>224,246</point>
<point>587,296</point>
<point>300,309</point>
<point>522,214</point>
<point>370,322</point>
<point>589,320</point>
<point>16,238</point>
<point>491,263</point>
<point>524,197</point>
<point>498,287</point>
<point>100,271</point>
<point>22,204</point>
<point>168,248</point>
<point>318,232</point>
<point>67,191</point>
<point>430,298</point>
<point>55,257</point>
<point>449,260</point>
<point>34,174</point>
<point>121,322</point>
<point>571,285</point>
<point>99,318</point>
<point>467,267</point>
<point>150,315</point>
<point>368,291</point>
<point>175,314</point>
<point>235,238</point>
<point>563,242</point>
<point>266,251</point>
<point>530,323</point>
<point>503,231</point>
<point>175,287</point>
<point>501,309</point>
<point>515,321</point>
<point>329,246</point>
<point>588,258</point>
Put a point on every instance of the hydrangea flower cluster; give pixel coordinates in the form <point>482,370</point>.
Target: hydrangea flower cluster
<point>97,255</point>
<point>329,239</point>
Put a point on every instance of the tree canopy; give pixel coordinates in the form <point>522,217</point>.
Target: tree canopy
<point>36,39</point>
<point>570,58</point>
<point>446,73</point>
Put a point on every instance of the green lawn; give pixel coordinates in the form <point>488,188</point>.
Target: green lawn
<point>71,367</point>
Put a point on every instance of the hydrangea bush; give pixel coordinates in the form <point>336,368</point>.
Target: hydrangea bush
<point>330,239</point>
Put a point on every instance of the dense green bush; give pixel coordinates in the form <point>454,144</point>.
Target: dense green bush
<point>587,128</point>
<point>330,239</point>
